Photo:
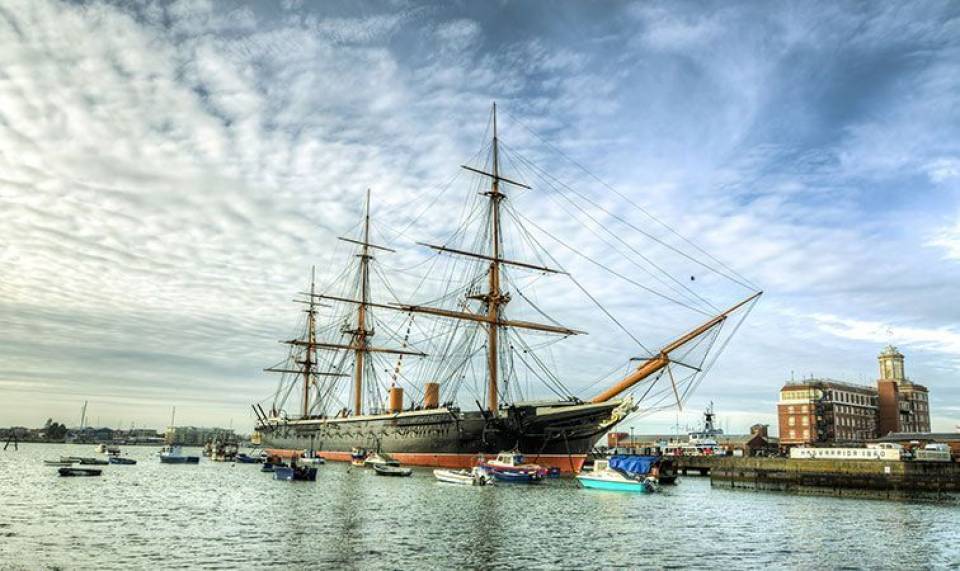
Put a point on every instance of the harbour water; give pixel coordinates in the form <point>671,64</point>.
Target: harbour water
<point>215,515</point>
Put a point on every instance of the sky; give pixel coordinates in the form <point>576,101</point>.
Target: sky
<point>169,172</point>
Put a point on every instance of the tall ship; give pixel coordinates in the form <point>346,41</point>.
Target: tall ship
<point>462,373</point>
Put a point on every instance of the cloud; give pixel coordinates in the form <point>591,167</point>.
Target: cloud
<point>942,339</point>
<point>170,171</point>
<point>948,239</point>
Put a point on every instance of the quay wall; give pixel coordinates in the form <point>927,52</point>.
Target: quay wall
<point>866,478</point>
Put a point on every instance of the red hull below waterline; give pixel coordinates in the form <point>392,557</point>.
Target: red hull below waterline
<point>567,463</point>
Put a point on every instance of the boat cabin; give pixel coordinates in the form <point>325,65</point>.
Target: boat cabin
<point>510,459</point>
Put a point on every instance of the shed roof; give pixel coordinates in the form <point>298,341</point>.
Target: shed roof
<point>900,436</point>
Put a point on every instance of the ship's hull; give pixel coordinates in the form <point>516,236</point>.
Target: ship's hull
<point>557,434</point>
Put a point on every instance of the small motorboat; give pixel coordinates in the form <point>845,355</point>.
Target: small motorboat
<point>80,471</point>
<point>70,459</point>
<point>373,459</point>
<point>101,448</point>
<point>92,462</point>
<point>272,466</point>
<point>174,455</point>
<point>475,477</point>
<point>391,468</point>
<point>121,460</point>
<point>511,467</point>
<point>295,473</point>
<point>245,459</point>
<point>57,463</point>
<point>607,477</point>
<point>357,457</point>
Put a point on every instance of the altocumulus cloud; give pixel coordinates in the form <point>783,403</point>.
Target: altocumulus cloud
<point>170,171</point>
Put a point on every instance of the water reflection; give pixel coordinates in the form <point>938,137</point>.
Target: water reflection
<point>221,515</point>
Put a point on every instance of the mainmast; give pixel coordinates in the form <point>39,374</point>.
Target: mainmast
<point>359,343</point>
<point>360,335</point>
<point>494,298</point>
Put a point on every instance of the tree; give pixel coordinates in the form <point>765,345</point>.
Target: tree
<point>55,431</point>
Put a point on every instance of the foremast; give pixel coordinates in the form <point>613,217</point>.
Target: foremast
<point>494,297</point>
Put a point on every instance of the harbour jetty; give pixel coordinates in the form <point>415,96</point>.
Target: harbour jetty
<point>903,479</point>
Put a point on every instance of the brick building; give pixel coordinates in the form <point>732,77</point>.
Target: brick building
<point>904,405</point>
<point>824,410</point>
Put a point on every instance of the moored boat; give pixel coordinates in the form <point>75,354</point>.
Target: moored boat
<point>358,456</point>
<point>174,455</point>
<point>92,462</point>
<point>247,459</point>
<point>511,467</point>
<point>57,463</point>
<point>295,473</point>
<point>373,459</point>
<point>391,468</point>
<point>80,471</point>
<point>474,477</point>
<point>121,460</point>
<point>614,476</point>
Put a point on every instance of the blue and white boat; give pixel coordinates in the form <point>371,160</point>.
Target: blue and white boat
<point>511,467</point>
<point>121,460</point>
<point>622,474</point>
<point>174,455</point>
<point>295,473</point>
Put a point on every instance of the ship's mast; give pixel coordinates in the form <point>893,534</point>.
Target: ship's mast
<point>309,359</point>
<point>493,297</point>
<point>360,336</point>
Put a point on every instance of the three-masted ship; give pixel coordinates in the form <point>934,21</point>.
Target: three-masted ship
<point>335,360</point>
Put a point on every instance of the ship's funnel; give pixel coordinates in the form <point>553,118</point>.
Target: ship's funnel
<point>396,399</point>
<point>431,395</point>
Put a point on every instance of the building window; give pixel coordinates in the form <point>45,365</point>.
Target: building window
<point>790,409</point>
<point>806,421</point>
<point>806,433</point>
<point>791,421</point>
<point>793,434</point>
<point>804,409</point>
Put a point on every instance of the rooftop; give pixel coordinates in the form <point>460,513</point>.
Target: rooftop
<point>900,436</point>
<point>829,383</point>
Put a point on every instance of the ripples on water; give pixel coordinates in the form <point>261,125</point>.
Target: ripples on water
<point>228,516</point>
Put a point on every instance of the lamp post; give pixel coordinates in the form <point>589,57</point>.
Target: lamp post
<point>633,444</point>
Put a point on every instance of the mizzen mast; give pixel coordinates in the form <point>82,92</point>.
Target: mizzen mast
<point>310,359</point>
